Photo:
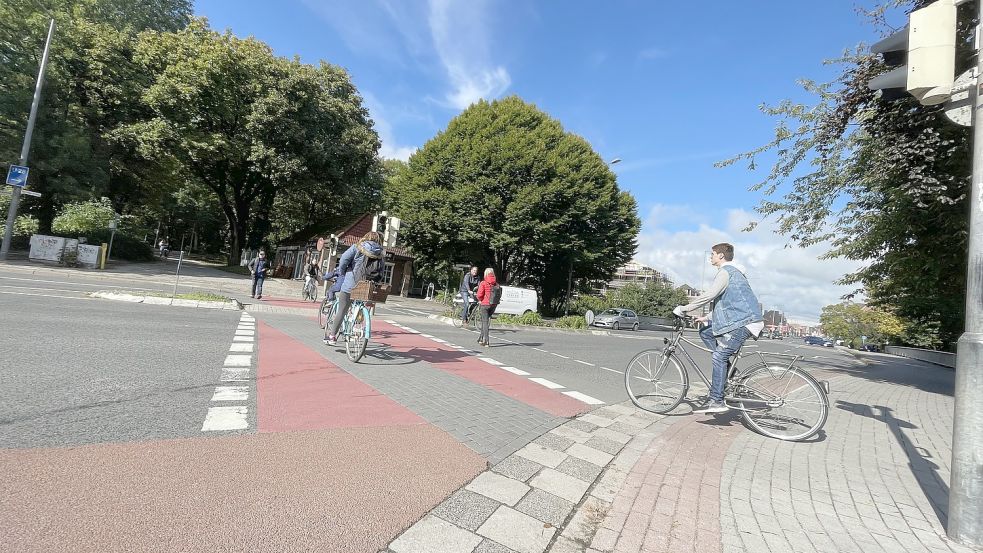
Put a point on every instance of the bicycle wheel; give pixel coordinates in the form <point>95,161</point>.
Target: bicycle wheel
<point>329,318</point>
<point>458,321</point>
<point>787,404</point>
<point>356,341</point>
<point>474,319</point>
<point>655,381</point>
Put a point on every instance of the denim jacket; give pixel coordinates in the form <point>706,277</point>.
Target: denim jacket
<point>737,306</point>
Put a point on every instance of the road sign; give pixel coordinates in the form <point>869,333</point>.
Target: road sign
<point>17,175</point>
<point>589,316</point>
<point>31,193</point>
<point>959,108</point>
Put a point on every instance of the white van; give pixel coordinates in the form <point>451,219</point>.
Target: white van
<point>515,301</point>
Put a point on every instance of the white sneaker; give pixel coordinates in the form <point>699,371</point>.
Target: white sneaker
<point>713,407</point>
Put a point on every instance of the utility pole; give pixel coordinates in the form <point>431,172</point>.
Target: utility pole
<point>8,232</point>
<point>965,523</point>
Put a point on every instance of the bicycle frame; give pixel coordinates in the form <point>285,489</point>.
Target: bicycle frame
<point>366,307</point>
<point>675,344</point>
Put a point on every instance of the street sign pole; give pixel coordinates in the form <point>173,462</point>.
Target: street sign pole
<point>965,523</point>
<point>8,231</point>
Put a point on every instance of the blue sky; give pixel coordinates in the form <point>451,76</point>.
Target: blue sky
<point>668,87</point>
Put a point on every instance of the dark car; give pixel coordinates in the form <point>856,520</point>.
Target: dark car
<point>871,347</point>
<point>814,340</point>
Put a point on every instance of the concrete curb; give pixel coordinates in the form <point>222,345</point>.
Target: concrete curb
<point>175,302</point>
<point>548,496</point>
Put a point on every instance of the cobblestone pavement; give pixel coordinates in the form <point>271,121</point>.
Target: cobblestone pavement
<point>621,480</point>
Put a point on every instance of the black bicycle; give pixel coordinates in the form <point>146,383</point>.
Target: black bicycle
<point>472,319</point>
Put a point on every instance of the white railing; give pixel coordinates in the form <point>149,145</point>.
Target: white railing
<point>943,358</point>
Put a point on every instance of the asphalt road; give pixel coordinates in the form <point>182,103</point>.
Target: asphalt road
<point>78,370</point>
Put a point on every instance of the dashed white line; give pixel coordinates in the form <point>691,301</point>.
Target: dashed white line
<point>232,417</point>
<point>558,355</point>
<point>245,332</point>
<point>540,349</point>
<point>514,370</point>
<point>612,370</point>
<point>583,362</point>
<point>584,397</point>
<point>238,360</point>
<point>231,393</point>
<point>491,361</point>
<point>242,338</point>
<point>241,347</point>
<point>548,383</point>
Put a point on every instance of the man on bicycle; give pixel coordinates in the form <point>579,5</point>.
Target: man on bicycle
<point>736,316</point>
<point>353,265</point>
<point>469,285</point>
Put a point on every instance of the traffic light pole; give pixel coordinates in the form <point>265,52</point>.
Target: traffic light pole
<point>965,523</point>
<point>8,231</point>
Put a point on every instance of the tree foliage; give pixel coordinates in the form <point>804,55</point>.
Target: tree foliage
<point>504,186</point>
<point>249,126</point>
<point>653,299</point>
<point>884,181</point>
<point>850,322</point>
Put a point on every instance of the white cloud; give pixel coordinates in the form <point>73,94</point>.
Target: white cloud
<point>793,279</point>
<point>459,31</point>
<point>390,148</point>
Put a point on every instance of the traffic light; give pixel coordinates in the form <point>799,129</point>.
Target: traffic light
<point>923,55</point>
<point>381,227</point>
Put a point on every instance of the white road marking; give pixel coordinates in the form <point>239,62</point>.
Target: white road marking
<point>514,370</point>
<point>238,360</point>
<point>542,350</point>
<point>584,362</point>
<point>612,370</point>
<point>439,341</point>
<point>245,332</point>
<point>490,360</point>
<point>235,374</point>
<point>241,347</point>
<point>242,338</point>
<point>584,397</point>
<point>391,321</point>
<point>426,336</point>
<point>548,383</point>
<point>49,295</point>
<point>226,418</point>
<point>231,393</point>
<point>78,284</point>
<point>558,355</point>
<point>43,289</point>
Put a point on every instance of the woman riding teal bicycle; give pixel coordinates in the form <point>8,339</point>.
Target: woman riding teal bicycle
<point>363,261</point>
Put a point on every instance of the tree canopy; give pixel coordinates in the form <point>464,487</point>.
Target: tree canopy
<point>505,186</point>
<point>885,182</point>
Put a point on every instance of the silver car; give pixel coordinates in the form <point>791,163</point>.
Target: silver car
<point>617,319</point>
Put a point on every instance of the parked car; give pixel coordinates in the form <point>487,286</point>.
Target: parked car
<point>814,340</point>
<point>871,347</point>
<point>617,319</point>
<point>828,343</point>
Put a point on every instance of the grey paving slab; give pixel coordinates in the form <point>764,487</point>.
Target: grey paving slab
<point>433,534</point>
<point>578,468</point>
<point>518,468</point>
<point>488,546</point>
<point>545,506</point>
<point>466,509</point>
<point>561,485</point>
<point>517,531</point>
<point>500,488</point>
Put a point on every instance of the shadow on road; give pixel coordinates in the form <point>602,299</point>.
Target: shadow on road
<point>926,472</point>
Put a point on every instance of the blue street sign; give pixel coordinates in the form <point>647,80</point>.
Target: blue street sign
<point>17,175</point>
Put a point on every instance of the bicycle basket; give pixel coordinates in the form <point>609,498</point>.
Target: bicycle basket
<point>367,290</point>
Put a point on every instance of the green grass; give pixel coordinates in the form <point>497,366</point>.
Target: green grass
<point>195,296</point>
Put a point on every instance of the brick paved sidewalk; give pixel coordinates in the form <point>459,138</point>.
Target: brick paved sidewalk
<point>621,480</point>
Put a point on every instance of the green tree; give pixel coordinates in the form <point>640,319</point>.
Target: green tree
<point>84,217</point>
<point>91,86</point>
<point>504,186</point>
<point>249,125</point>
<point>884,181</point>
<point>852,321</point>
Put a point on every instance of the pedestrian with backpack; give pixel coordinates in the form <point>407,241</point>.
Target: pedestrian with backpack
<point>489,295</point>
<point>363,261</point>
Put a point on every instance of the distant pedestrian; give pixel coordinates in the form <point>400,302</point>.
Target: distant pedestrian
<point>469,284</point>
<point>258,268</point>
<point>489,295</point>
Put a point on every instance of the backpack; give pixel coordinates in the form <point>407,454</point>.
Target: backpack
<point>495,294</point>
<point>367,268</point>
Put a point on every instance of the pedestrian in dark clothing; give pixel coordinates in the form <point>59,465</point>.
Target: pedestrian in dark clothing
<point>258,268</point>
<point>468,286</point>
<point>485,305</point>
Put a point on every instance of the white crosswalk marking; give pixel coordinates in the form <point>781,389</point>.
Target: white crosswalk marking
<point>231,393</point>
<point>241,347</point>
<point>238,360</point>
<point>548,383</point>
<point>233,417</point>
<point>584,397</point>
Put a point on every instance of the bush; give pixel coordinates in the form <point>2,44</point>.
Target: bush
<point>531,319</point>
<point>571,321</point>
<point>83,218</point>
<point>125,247</point>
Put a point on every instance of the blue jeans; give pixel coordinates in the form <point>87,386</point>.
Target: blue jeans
<point>723,347</point>
<point>258,285</point>
<point>467,301</point>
